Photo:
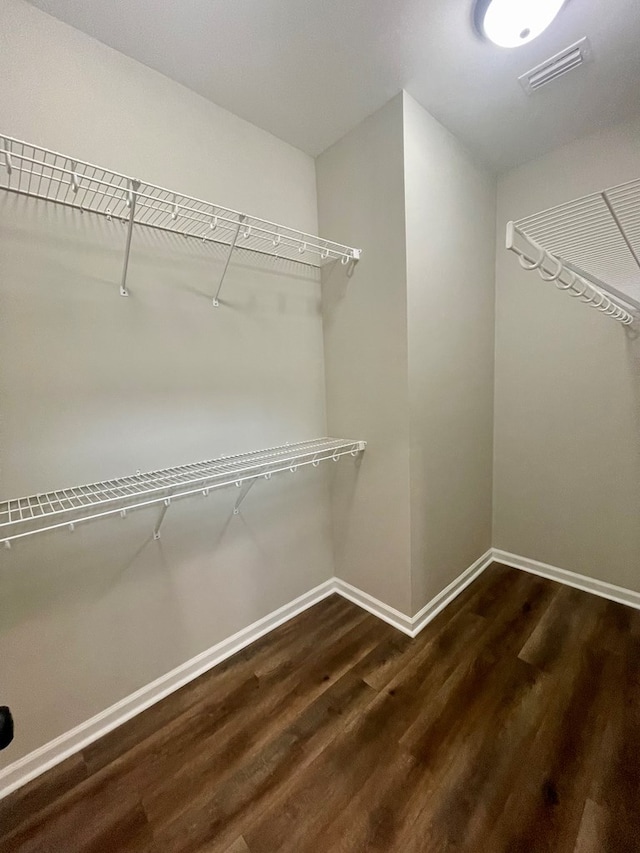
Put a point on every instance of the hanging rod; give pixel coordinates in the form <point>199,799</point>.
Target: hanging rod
<point>44,174</point>
<point>553,268</point>
<point>597,236</point>
<point>24,517</point>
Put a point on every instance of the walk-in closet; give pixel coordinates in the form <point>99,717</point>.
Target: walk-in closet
<point>319,426</point>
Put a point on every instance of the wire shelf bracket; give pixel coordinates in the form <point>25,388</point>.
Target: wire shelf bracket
<point>65,508</point>
<point>589,247</point>
<point>41,173</point>
<point>134,186</point>
<point>165,506</point>
<point>246,488</point>
<point>232,246</point>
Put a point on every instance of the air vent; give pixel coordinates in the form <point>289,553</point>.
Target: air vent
<point>571,57</point>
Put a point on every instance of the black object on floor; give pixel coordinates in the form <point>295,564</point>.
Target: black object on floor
<point>6,727</point>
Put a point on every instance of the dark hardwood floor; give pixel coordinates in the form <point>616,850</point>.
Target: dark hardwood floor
<point>511,724</point>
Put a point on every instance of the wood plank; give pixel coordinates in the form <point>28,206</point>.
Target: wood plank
<point>221,809</point>
<point>445,737</point>
<point>511,723</point>
<point>479,671</point>
<point>361,750</point>
<point>324,623</point>
<point>616,784</point>
<point>591,835</point>
<point>549,791</point>
<point>239,846</point>
<point>39,794</point>
<point>276,704</point>
<point>97,818</point>
<point>564,624</point>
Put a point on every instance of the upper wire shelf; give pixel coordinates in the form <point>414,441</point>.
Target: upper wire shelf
<point>596,239</point>
<point>44,174</point>
<point>22,517</point>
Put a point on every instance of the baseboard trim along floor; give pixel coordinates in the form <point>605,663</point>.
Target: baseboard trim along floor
<point>40,760</point>
<point>412,625</point>
<point>586,584</point>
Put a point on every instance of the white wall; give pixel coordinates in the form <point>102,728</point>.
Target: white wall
<point>450,204</point>
<point>361,197</point>
<point>567,407</point>
<point>409,352</point>
<point>94,386</point>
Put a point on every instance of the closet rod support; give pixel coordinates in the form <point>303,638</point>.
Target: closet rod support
<point>246,488</point>
<point>134,186</point>
<point>165,507</point>
<point>232,246</point>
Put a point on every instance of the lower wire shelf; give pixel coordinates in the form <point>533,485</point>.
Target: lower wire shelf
<point>23,517</point>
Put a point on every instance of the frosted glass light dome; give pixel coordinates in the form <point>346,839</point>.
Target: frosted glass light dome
<point>510,23</point>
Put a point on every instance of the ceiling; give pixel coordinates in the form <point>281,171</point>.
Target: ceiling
<point>310,70</point>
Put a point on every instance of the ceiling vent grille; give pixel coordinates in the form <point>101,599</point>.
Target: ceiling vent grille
<point>571,57</point>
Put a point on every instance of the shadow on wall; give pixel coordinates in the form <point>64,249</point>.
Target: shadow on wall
<point>335,283</point>
<point>79,566</point>
<point>633,354</point>
<point>185,263</point>
<point>76,570</point>
<point>343,485</point>
<point>95,385</point>
<point>90,616</point>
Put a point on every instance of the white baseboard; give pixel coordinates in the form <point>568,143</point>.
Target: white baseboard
<point>40,760</point>
<point>442,599</point>
<point>412,625</point>
<point>587,584</point>
<point>373,605</point>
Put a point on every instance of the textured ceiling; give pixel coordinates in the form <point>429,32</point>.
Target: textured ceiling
<point>310,70</point>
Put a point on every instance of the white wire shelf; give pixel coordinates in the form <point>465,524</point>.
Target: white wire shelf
<point>44,174</point>
<point>23,517</point>
<point>552,268</point>
<point>595,238</point>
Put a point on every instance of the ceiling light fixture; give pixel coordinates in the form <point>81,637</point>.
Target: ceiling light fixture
<point>510,23</point>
